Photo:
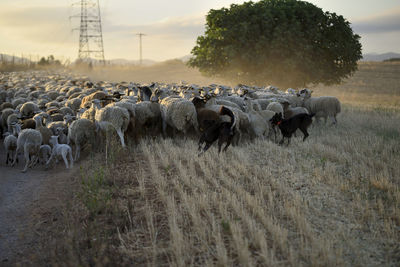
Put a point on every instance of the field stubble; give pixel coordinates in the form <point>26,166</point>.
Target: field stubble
<point>332,200</point>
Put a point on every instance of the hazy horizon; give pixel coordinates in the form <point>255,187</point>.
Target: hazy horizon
<point>43,27</point>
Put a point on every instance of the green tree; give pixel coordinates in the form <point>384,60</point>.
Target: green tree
<point>284,42</point>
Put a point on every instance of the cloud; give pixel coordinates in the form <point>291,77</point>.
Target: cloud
<point>380,23</point>
<point>40,24</point>
<point>178,27</point>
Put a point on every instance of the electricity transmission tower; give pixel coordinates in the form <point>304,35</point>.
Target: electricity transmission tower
<point>90,32</point>
<point>140,46</point>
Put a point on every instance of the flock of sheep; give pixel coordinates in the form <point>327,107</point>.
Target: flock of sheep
<point>43,116</point>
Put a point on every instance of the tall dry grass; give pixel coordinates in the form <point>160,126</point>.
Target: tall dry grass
<point>333,200</point>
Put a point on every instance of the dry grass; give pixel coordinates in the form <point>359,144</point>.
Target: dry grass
<point>333,200</point>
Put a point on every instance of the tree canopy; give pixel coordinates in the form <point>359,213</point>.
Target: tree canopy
<point>284,42</point>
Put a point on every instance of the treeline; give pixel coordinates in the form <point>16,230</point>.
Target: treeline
<point>13,63</point>
<point>396,59</point>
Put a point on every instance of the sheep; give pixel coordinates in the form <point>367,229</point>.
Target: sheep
<point>90,113</point>
<point>28,142</point>
<point>74,104</point>
<point>148,117</point>
<point>81,132</point>
<point>4,115</point>
<point>132,114</point>
<point>323,106</point>
<point>290,112</point>
<point>60,150</point>
<point>11,119</point>
<point>62,137</point>
<point>178,113</point>
<point>10,145</point>
<point>100,95</point>
<point>44,153</point>
<point>29,109</point>
<point>116,117</point>
<point>259,126</point>
<point>276,107</point>
<point>28,124</point>
<point>44,131</point>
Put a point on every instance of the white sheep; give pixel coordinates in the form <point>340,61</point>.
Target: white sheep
<point>10,145</point>
<point>259,124</point>
<point>29,109</point>
<point>28,142</point>
<point>81,132</point>
<point>178,113</point>
<point>323,106</point>
<point>275,107</point>
<point>60,150</point>
<point>114,117</point>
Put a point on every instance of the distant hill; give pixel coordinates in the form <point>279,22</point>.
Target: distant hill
<point>121,61</point>
<point>379,57</point>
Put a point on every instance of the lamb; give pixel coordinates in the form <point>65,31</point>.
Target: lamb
<point>44,153</point>
<point>323,106</point>
<point>81,132</point>
<point>62,137</point>
<point>28,142</point>
<point>60,150</point>
<point>10,142</point>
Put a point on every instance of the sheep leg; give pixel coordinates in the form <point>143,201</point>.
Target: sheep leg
<point>70,158</point>
<point>77,152</point>
<point>334,120</point>
<point>64,156</point>
<point>27,161</point>
<point>15,156</point>
<point>164,128</point>
<point>121,137</point>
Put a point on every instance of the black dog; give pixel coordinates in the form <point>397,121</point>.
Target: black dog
<point>289,126</point>
<point>223,131</point>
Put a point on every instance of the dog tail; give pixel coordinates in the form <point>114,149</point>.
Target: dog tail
<point>226,111</point>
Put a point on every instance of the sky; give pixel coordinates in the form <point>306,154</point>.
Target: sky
<point>44,27</point>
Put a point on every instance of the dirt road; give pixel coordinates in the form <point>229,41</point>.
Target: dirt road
<point>27,202</point>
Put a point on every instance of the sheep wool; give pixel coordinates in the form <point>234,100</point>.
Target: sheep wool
<point>178,113</point>
<point>28,143</point>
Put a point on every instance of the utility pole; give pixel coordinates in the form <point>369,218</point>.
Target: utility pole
<point>140,46</point>
<point>90,31</point>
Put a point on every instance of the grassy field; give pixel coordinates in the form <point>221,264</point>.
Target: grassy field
<point>333,200</point>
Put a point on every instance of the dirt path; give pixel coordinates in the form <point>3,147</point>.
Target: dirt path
<point>27,202</point>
